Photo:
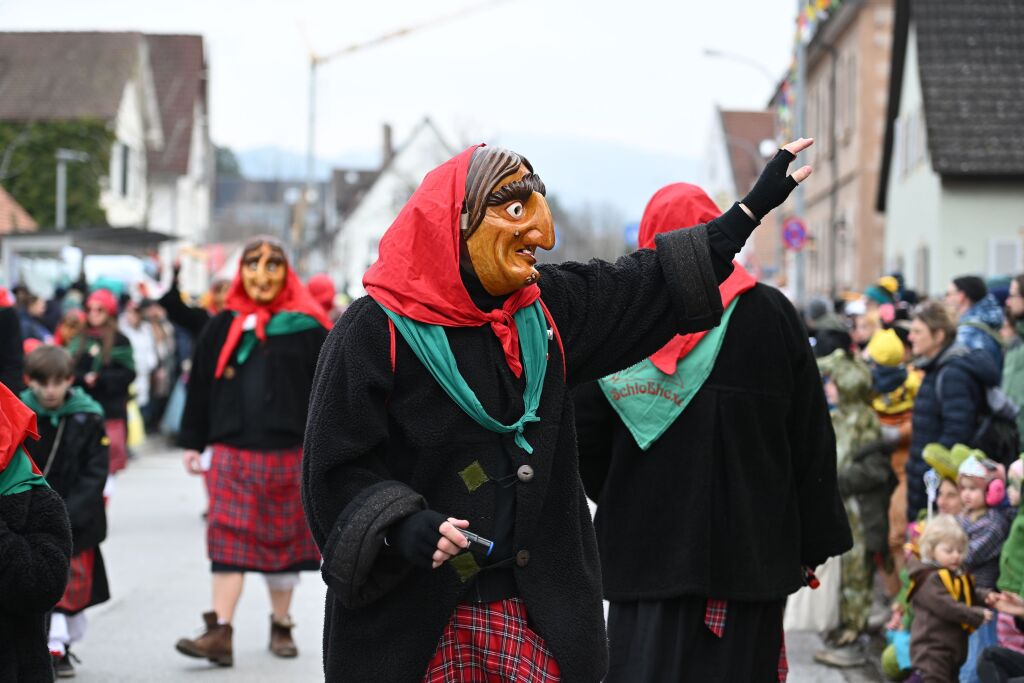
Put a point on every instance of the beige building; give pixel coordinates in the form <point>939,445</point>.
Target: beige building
<point>846,93</point>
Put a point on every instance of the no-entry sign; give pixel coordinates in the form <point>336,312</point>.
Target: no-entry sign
<point>794,234</point>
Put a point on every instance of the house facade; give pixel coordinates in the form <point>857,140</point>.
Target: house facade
<point>952,186</point>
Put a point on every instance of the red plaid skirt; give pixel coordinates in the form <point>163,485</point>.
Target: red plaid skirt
<point>255,520</point>
<point>78,593</point>
<point>117,433</point>
<point>491,643</point>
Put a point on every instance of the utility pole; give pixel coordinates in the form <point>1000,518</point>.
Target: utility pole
<point>63,156</point>
<point>316,61</point>
<point>799,285</point>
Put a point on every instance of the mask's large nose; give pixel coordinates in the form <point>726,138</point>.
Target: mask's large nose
<point>541,228</point>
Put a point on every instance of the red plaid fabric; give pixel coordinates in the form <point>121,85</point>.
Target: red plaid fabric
<point>255,520</point>
<point>783,661</point>
<point>491,643</point>
<point>78,593</point>
<point>117,433</point>
<point>714,616</point>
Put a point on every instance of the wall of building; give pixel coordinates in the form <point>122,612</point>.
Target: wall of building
<point>128,206</point>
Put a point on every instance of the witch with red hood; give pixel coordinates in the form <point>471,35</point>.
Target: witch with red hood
<point>713,466</point>
<point>252,370</point>
<point>441,413</point>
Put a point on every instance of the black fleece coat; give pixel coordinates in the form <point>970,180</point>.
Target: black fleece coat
<point>35,550</point>
<point>259,404</point>
<point>78,472</point>
<point>12,358</point>
<point>190,318</point>
<point>739,491</point>
<point>948,419</point>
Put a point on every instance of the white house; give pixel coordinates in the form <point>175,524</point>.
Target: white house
<point>358,235</point>
<point>952,181</point>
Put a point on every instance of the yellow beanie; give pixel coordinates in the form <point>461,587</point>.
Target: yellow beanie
<point>885,348</point>
<point>889,284</point>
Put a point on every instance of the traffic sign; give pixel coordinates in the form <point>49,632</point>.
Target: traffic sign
<point>794,234</point>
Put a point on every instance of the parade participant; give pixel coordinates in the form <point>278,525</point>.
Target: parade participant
<point>321,287</point>
<point>193,318</point>
<point>105,368</point>
<point>730,540</point>
<point>35,544</point>
<point>247,397</point>
<point>947,605</point>
<point>441,403</point>
<point>72,454</point>
<point>12,357</point>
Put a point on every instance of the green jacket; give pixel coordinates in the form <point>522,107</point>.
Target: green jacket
<point>1013,382</point>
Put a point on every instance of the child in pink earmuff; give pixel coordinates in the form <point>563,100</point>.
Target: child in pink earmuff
<point>982,490</point>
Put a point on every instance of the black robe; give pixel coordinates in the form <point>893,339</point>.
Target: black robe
<point>382,442</point>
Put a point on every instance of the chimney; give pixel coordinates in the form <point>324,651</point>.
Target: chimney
<point>389,148</point>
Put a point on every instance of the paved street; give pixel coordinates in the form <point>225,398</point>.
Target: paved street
<point>159,581</point>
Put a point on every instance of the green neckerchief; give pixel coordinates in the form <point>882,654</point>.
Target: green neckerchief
<point>119,354</point>
<point>18,476</point>
<point>430,344</point>
<point>285,322</point>
<point>649,401</point>
<point>77,401</point>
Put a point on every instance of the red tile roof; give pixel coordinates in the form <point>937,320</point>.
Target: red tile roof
<point>13,218</point>
<point>744,131</point>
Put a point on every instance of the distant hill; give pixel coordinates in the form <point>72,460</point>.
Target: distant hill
<point>578,171</point>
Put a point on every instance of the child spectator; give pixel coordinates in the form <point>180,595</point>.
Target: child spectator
<point>72,451</point>
<point>35,545</point>
<point>947,604</point>
<point>105,368</point>
<point>982,488</point>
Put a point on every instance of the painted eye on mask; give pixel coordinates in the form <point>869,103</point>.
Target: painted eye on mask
<point>515,209</point>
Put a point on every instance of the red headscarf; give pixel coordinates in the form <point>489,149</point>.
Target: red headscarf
<point>321,288</point>
<point>417,273</point>
<point>17,423</point>
<point>682,205</point>
<point>293,298</point>
<point>104,298</point>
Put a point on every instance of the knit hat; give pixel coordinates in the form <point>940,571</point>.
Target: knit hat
<point>878,294</point>
<point>889,284</point>
<point>885,348</point>
<point>104,298</point>
<point>992,473</point>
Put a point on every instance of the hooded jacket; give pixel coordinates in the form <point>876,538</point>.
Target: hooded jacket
<point>382,431</point>
<point>979,326</point>
<point>948,419</point>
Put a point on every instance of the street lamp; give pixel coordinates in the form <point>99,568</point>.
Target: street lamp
<point>742,59</point>
<point>63,156</point>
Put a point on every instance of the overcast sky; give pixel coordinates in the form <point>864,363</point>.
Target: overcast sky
<point>627,72</point>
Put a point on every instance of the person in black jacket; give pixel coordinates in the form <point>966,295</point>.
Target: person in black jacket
<point>12,357</point>
<point>105,368</point>
<point>193,318</point>
<point>72,454</point>
<point>441,403</point>
<point>714,489</point>
<point>35,549</point>
<point>247,398</point>
<point>952,417</point>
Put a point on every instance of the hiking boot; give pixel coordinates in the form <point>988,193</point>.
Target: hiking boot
<point>214,644</point>
<point>62,666</point>
<point>281,643</point>
<point>841,657</point>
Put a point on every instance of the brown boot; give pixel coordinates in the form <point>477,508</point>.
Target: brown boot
<point>281,643</point>
<point>214,644</point>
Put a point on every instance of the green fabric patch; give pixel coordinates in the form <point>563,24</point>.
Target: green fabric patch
<point>77,401</point>
<point>18,476</point>
<point>120,355</point>
<point>286,322</point>
<point>465,566</point>
<point>430,345</point>
<point>649,401</point>
<point>474,476</point>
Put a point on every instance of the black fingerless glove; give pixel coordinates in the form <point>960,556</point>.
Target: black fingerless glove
<point>772,188</point>
<point>415,537</point>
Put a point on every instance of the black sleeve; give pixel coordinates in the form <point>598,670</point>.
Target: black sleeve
<point>824,529</point>
<point>35,551</point>
<point>349,495</point>
<point>88,488</point>
<point>612,315</point>
<point>595,422</point>
<point>12,360</point>
<point>192,319</point>
<point>726,236</point>
<point>195,420</point>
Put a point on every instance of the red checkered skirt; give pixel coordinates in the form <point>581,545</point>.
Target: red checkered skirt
<point>78,594</point>
<point>255,520</point>
<point>117,433</point>
<point>491,643</point>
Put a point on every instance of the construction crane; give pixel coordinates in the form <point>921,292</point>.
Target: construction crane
<point>315,62</point>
